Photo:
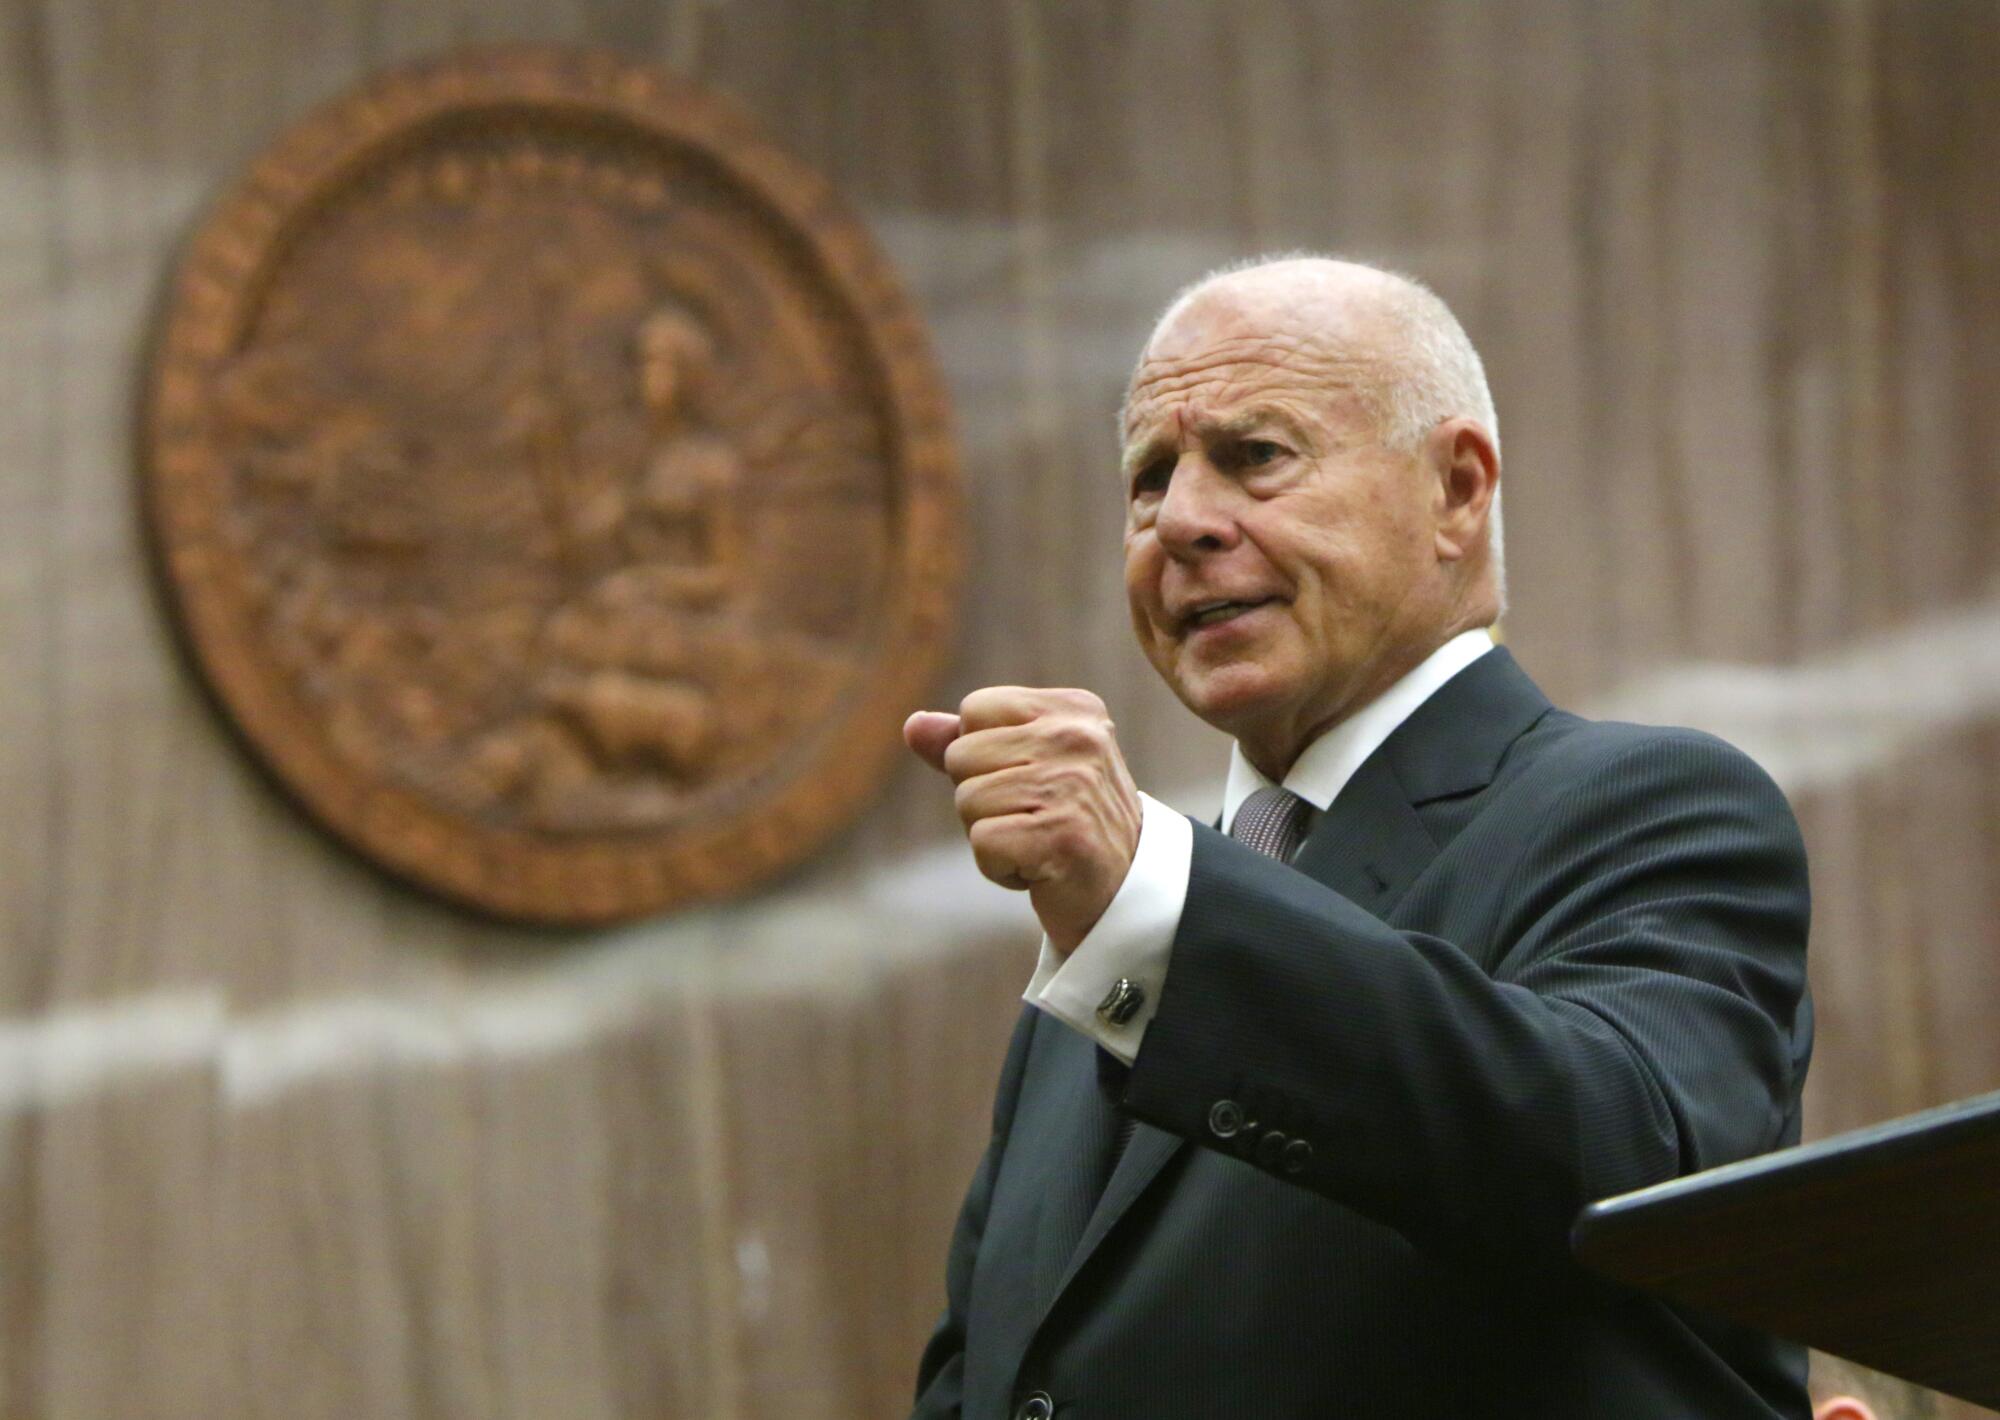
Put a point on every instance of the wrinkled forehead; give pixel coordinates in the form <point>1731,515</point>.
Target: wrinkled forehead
<point>1216,356</point>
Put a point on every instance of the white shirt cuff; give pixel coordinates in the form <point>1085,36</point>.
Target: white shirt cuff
<point>1131,941</point>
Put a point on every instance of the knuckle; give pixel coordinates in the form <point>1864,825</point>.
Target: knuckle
<point>1072,735</point>
<point>994,705</point>
<point>984,834</point>
<point>977,707</point>
<point>989,850</point>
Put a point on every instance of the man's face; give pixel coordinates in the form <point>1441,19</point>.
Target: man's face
<point>1279,561</point>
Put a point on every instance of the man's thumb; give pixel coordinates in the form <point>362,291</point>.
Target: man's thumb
<point>928,732</point>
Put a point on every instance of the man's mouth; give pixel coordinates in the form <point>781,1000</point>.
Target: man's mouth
<point>1214,613</point>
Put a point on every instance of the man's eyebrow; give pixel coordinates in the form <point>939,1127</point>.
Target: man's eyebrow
<point>1137,456</point>
<point>1249,421</point>
<point>1241,425</point>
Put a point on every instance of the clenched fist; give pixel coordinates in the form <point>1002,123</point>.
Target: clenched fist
<point>1044,794</point>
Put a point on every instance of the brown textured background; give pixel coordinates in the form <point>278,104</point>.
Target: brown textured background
<point>280,1139</point>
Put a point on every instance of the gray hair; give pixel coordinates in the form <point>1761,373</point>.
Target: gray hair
<point>1433,371</point>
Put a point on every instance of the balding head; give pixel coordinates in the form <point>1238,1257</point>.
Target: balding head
<point>1425,366</point>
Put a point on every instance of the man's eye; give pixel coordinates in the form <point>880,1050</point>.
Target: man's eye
<point>1153,477</point>
<point>1259,451</point>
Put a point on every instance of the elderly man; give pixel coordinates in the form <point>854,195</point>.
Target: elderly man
<point>1302,1106</point>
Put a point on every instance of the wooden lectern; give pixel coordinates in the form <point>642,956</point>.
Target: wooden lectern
<point>1882,1246</point>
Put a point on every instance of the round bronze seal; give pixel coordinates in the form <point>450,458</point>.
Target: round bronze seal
<point>553,484</point>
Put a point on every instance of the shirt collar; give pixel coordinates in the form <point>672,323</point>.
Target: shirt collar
<point>1322,771</point>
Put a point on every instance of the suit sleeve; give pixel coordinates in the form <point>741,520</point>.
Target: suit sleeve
<point>1636,1011</point>
<point>941,1371</point>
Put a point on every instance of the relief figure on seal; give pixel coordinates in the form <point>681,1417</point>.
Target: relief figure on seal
<point>624,676</point>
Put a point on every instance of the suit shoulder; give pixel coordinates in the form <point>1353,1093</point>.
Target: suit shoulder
<point>1604,793</point>
<point>1564,751</point>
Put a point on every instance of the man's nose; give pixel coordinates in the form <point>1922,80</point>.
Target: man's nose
<point>1198,514</point>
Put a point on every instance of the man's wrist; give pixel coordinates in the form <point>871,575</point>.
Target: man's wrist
<point>1109,985</point>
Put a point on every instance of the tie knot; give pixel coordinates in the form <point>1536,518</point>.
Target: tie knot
<point>1272,821</point>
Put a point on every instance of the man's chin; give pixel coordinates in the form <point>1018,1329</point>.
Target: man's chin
<point>1232,699</point>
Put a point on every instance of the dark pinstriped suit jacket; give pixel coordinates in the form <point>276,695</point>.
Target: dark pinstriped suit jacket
<point>1523,962</point>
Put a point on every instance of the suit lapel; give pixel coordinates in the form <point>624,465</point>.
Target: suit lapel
<point>1145,1156</point>
<point>1077,1151</point>
<point>1369,845</point>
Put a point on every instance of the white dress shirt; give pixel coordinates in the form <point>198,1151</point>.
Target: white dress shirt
<point>1135,936</point>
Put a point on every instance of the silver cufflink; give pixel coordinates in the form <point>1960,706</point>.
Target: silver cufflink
<point>1121,1003</point>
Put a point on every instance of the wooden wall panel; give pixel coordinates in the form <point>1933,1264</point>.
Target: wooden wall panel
<point>278,1137</point>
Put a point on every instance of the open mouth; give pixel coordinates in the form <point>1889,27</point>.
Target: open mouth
<point>1217,612</point>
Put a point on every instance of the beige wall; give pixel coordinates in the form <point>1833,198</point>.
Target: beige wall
<point>280,1139</point>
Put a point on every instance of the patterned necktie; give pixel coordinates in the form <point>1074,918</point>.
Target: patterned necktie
<point>1272,821</point>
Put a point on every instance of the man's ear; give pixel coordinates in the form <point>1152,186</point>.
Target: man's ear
<point>1466,463</point>
<point>1843,1407</point>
